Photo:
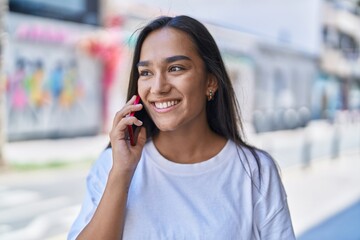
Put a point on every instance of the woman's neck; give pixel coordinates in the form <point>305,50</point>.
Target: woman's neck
<point>189,146</point>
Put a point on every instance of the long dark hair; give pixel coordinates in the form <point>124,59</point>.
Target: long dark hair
<point>223,112</point>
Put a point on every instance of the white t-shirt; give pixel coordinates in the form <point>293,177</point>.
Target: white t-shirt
<point>213,199</point>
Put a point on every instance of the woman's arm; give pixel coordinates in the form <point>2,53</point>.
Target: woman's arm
<point>108,219</point>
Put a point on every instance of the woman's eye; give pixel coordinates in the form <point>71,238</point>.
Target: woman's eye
<point>175,69</point>
<point>144,73</point>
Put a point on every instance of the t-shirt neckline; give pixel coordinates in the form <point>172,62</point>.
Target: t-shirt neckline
<point>190,168</point>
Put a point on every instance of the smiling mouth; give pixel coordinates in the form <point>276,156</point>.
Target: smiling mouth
<point>167,104</point>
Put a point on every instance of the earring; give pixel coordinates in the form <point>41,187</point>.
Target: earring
<point>210,95</point>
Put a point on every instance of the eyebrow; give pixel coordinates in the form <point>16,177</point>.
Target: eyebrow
<point>177,58</point>
<point>167,60</point>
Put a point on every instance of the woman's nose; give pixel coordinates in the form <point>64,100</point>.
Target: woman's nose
<point>160,84</point>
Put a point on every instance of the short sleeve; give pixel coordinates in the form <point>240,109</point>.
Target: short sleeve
<point>95,186</point>
<point>278,226</point>
<point>272,216</point>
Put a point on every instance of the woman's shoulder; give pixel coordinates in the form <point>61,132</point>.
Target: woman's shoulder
<point>260,166</point>
<point>256,158</point>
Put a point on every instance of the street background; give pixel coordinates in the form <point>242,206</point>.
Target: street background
<point>295,69</point>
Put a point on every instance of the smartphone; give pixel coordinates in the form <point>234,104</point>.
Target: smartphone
<point>130,128</point>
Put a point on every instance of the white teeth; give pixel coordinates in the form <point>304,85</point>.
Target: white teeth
<point>162,105</point>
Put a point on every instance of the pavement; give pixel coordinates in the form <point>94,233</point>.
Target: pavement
<point>40,204</point>
<point>49,151</point>
<point>320,167</point>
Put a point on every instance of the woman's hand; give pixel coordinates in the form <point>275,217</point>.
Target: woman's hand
<point>125,156</point>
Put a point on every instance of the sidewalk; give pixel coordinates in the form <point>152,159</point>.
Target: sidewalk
<point>304,146</point>
<point>47,151</point>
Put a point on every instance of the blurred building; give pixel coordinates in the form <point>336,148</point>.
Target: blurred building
<point>53,86</point>
<point>290,63</point>
<point>272,81</point>
<point>338,88</point>
<point>272,73</point>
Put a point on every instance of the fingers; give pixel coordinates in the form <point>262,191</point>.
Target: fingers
<point>118,131</point>
<point>123,120</point>
<point>126,110</point>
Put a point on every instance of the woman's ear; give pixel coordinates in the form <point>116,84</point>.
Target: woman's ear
<point>212,82</point>
<point>212,86</point>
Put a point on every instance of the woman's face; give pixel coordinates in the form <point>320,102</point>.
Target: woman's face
<point>173,82</point>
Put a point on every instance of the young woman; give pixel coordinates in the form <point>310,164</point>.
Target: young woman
<point>190,174</point>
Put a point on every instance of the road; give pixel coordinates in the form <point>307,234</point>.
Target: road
<point>39,205</point>
<point>343,225</point>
